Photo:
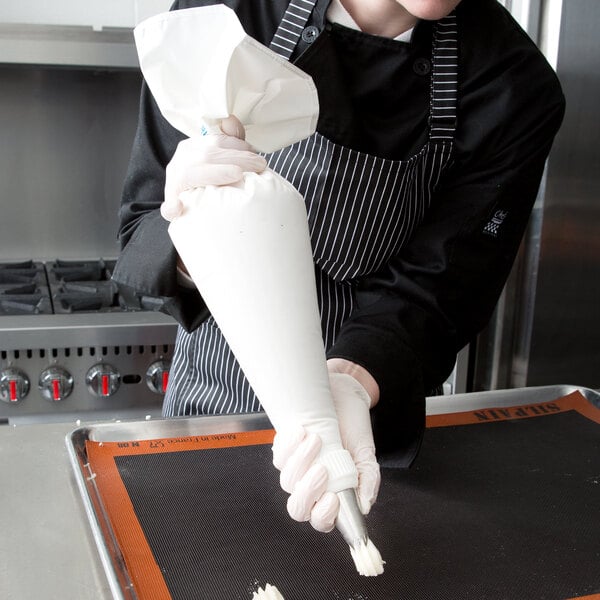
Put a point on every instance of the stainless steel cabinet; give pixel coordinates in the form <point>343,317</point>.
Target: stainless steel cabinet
<point>73,33</point>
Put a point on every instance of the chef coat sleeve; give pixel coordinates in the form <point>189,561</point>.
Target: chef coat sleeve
<point>431,299</point>
<point>147,263</point>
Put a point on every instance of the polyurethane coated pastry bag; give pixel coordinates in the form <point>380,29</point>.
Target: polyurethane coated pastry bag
<point>247,246</point>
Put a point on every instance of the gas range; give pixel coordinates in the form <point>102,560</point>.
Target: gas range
<point>73,346</point>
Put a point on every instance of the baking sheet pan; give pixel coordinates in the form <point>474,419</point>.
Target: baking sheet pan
<point>505,509</point>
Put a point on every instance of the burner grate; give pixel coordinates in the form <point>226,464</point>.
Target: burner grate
<point>27,268</point>
<point>84,286</point>
<point>80,296</point>
<point>7,289</point>
<point>66,287</point>
<point>78,270</point>
<point>25,304</point>
<point>64,271</point>
<point>24,289</point>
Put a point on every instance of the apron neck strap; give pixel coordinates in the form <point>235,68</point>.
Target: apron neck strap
<point>444,80</point>
<point>291,27</point>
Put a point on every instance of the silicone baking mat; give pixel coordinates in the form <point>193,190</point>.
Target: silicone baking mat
<point>501,504</point>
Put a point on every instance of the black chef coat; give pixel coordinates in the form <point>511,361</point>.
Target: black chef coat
<point>419,309</point>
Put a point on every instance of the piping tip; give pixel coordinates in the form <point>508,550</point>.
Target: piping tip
<point>351,524</point>
<point>350,521</point>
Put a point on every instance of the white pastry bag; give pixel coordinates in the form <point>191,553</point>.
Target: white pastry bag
<point>247,247</point>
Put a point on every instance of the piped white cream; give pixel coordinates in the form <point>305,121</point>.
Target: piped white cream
<point>367,559</point>
<point>269,593</point>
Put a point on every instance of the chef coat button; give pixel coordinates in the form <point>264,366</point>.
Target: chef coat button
<point>310,34</point>
<point>422,66</point>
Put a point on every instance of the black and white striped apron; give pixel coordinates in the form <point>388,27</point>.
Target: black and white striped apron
<point>361,210</point>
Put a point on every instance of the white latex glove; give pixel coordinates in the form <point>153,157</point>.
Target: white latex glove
<point>352,405</point>
<point>214,159</point>
<point>294,454</point>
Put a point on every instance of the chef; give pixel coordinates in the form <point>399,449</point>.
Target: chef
<point>435,120</point>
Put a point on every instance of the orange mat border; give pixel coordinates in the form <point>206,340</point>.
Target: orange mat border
<point>141,565</point>
<point>573,401</point>
<point>145,574</point>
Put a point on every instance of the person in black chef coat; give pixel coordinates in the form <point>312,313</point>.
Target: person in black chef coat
<point>436,117</point>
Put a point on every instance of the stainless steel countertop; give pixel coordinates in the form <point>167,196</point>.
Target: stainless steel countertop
<point>47,549</point>
<point>46,546</point>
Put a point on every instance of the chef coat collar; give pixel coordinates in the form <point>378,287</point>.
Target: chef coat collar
<point>336,13</point>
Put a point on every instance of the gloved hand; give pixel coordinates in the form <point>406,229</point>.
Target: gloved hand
<point>215,159</point>
<point>295,452</point>
<point>352,404</point>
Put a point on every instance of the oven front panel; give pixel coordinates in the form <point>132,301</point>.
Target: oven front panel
<point>63,367</point>
<point>73,346</point>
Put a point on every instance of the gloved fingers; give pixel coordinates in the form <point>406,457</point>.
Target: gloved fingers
<point>206,148</point>
<point>231,125</point>
<point>201,144</point>
<point>325,512</point>
<point>307,490</point>
<point>244,159</point>
<point>369,478</point>
<point>299,462</point>
<point>210,174</point>
<point>195,176</point>
<point>285,442</point>
<point>209,160</point>
<point>170,209</point>
<point>189,169</point>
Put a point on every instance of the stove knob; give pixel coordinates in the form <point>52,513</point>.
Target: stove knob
<point>55,383</point>
<point>14,385</point>
<point>103,380</point>
<point>157,376</point>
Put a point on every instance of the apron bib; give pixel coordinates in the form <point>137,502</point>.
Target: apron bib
<point>361,210</point>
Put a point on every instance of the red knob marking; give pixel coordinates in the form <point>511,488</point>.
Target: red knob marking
<point>12,390</point>
<point>56,389</point>
<point>105,382</point>
<point>165,381</point>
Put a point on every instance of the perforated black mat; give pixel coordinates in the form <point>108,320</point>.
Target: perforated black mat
<point>503,510</point>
